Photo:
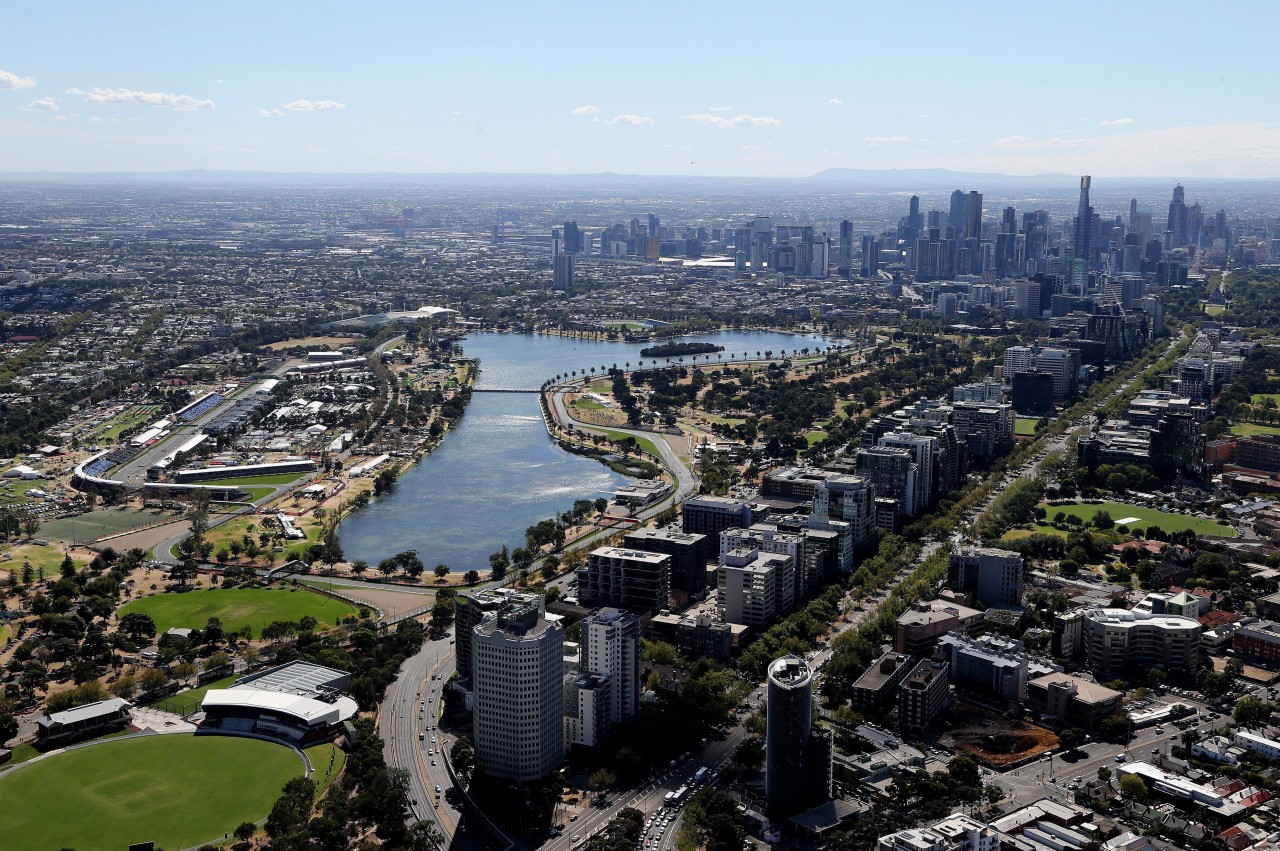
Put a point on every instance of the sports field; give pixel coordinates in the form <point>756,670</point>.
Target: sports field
<point>1025,426</point>
<point>176,790</point>
<point>274,479</point>
<point>237,607</point>
<point>1242,429</point>
<point>103,521</point>
<point>1133,516</point>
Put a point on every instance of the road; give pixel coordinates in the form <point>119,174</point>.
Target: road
<point>411,709</point>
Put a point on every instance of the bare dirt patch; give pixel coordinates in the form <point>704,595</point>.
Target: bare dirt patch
<point>997,740</point>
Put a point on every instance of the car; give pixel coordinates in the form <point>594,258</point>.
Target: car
<point>421,736</point>
<point>433,762</point>
<point>575,838</point>
<point>573,817</point>
<point>437,790</point>
<point>1121,757</point>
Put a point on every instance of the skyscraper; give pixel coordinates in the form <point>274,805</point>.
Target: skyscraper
<point>1083,238</point>
<point>655,225</point>
<point>1177,225</point>
<point>564,269</point>
<point>972,216</point>
<point>573,241</point>
<point>915,220</point>
<point>955,218</point>
<point>797,757</point>
<point>518,678</point>
<point>870,256</point>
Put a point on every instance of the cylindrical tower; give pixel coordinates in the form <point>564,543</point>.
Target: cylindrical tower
<point>787,735</point>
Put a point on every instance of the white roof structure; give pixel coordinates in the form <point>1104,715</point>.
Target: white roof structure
<point>310,711</point>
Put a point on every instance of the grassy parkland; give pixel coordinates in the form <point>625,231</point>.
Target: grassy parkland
<point>1139,517</point>
<point>238,608</point>
<point>176,790</point>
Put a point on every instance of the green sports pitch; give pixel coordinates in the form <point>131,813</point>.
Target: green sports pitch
<point>1140,517</point>
<point>237,608</point>
<point>177,790</point>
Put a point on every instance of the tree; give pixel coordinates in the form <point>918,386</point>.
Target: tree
<point>216,661</point>
<point>471,577</point>
<point>1104,774</point>
<point>463,756</point>
<point>245,831</point>
<point>601,779</point>
<point>359,566</point>
<point>1072,738</point>
<point>1132,787</point>
<point>750,753</point>
<point>441,571</point>
<point>1252,712</point>
<point>292,808</point>
<point>138,626</point>
<point>1116,727</point>
<point>442,616</point>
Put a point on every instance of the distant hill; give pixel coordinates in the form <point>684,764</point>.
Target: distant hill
<point>895,179</point>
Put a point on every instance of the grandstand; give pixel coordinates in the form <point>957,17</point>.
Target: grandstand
<point>298,701</point>
<point>202,405</point>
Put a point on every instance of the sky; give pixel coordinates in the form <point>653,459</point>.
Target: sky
<point>1137,89</point>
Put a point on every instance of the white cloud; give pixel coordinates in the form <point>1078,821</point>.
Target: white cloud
<point>719,109</point>
<point>93,119</point>
<point>834,101</point>
<point>61,117</point>
<point>1013,140</point>
<point>41,104</point>
<point>269,113</point>
<point>305,105</point>
<point>165,100</point>
<point>884,140</point>
<point>739,120</point>
<point>634,120</point>
<point>752,148</point>
<point>586,109</point>
<point>1117,122</point>
<point>10,80</point>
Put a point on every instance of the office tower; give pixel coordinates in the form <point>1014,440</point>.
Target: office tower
<point>563,266</point>
<point>573,242</point>
<point>870,256</point>
<point>1133,215</point>
<point>557,242</point>
<point>955,217</point>
<point>797,770</point>
<point>1009,222</point>
<point>1177,223</point>
<point>1083,238</point>
<point>972,225</point>
<point>605,690</point>
<point>993,576</point>
<point>1064,365</point>
<point>633,229</point>
<point>1018,359</point>
<point>820,261</point>
<point>655,226</point>
<point>846,246</point>
<point>470,609</point>
<point>847,499</point>
<point>631,579</point>
<point>518,678</point>
<point>1027,295</point>
<point>915,220</point>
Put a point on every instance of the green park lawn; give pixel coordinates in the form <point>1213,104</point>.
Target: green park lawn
<point>176,790</point>
<point>1025,426</point>
<point>237,607</point>
<point>1119,511</point>
<point>643,442</point>
<point>1261,398</point>
<point>815,436</point>
<point>588,404</point>
<point>276,479</point>
<point>194,696</point>
<point>1243,429</point>
<point>1214,309</point>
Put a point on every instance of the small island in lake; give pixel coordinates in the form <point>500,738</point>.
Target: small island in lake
<point>672,350</point>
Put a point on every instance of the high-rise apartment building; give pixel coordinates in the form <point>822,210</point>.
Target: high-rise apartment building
<point>754,589</point>
<point>797,757</point>
<point>563,271</point>
<point>994,576</point>
<point>518,682</point>
<point>635,580</point>
<point>1082,242</point>
<point>605,691</point>
<point>710,515</point>
<point>689,554</point>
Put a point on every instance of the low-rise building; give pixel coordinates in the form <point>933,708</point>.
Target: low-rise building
<point>923,695</point>
<point>1073,701</point>
<point>82,722</point>
<point>954,833</point>
<point>920,626</point>
<point>877,688</point>
<point>1258,638</point>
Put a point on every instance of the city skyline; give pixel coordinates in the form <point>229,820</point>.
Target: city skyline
<point>697,92</point>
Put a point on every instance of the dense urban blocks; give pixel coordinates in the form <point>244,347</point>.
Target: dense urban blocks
<point>176,790</point>
<point>238,608</point>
